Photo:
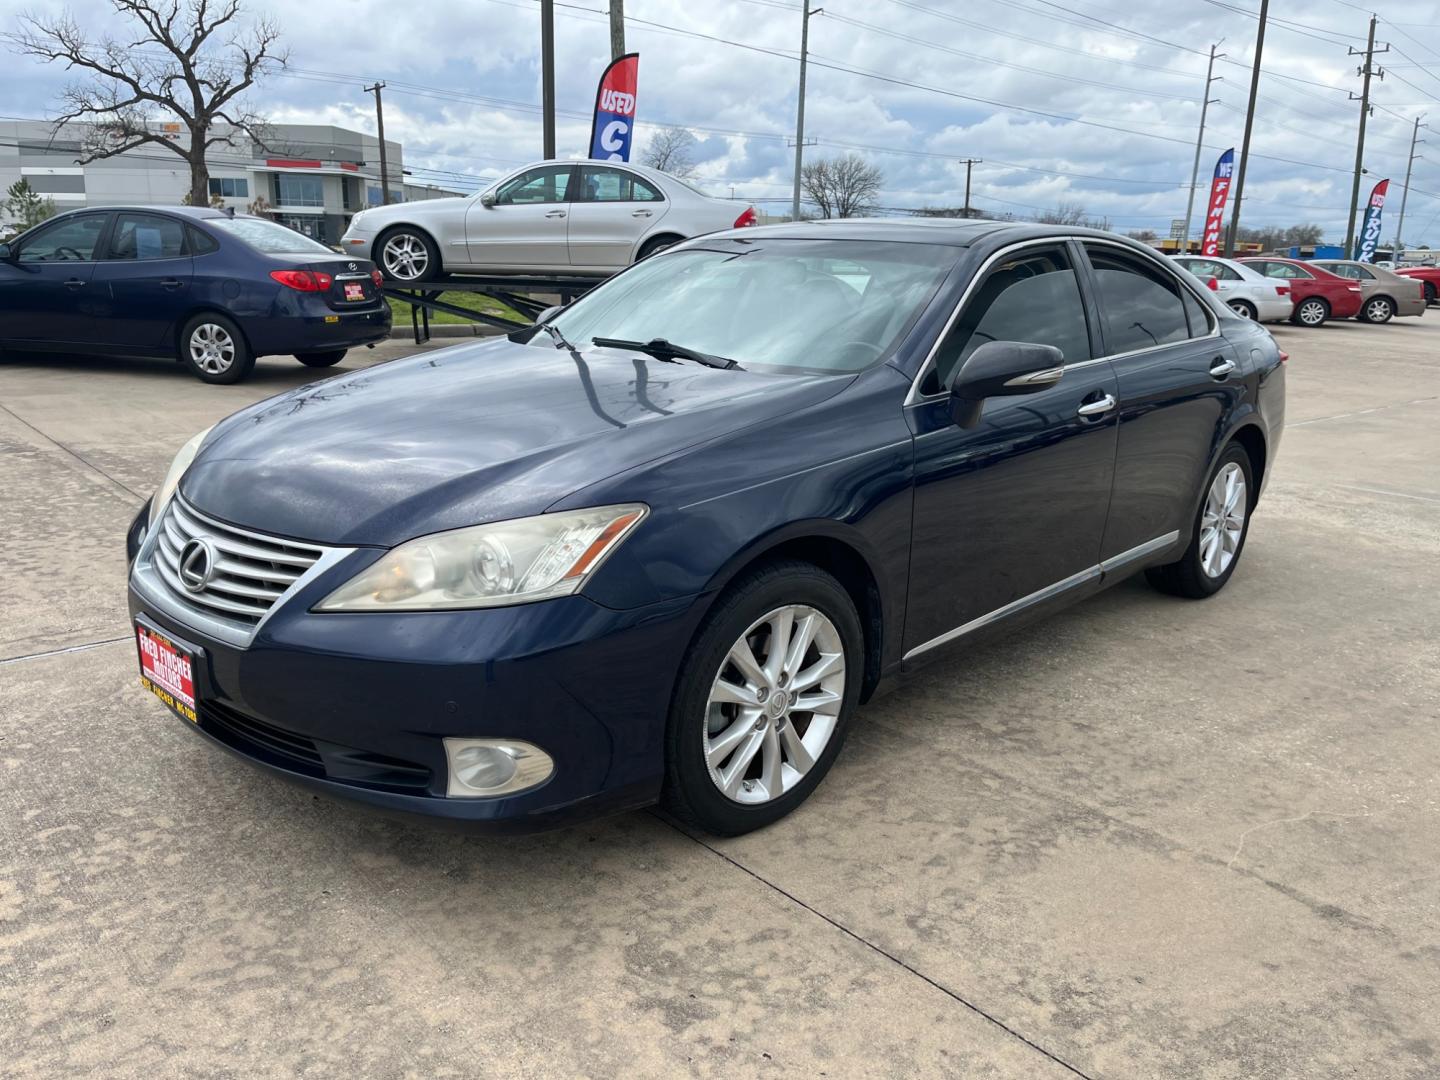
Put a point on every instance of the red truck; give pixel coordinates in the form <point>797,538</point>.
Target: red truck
<point>1429,276</point>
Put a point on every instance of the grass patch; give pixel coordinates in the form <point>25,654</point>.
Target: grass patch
<point>475,302</point>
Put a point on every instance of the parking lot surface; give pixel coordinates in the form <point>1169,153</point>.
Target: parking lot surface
<point>1147,838</point>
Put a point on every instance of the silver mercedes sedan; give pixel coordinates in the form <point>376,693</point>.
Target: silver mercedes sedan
<point>553,217</point>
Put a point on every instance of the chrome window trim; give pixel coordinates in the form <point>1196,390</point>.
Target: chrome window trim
<point>915,397</point>
<point>1049,592</point>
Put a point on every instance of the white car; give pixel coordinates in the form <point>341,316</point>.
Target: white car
<point>1247,292</point>
<point>554,217</point>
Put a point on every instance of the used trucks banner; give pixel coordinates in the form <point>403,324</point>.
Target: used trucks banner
<point>1370,231</point>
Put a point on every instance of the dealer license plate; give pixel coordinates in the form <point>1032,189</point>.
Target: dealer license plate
<point>354,290</point>
<point>167,670</point>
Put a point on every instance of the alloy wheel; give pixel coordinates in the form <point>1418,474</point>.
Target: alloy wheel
<point>1378,310</point>
<point>212,348</point>
<point>774,704</point>
<point>404,257</point>
<point>1223,521</point>
<point>1239,307</point>
<point>1311,313</point>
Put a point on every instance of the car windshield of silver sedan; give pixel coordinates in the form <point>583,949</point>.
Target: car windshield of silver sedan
<point>812,305</point>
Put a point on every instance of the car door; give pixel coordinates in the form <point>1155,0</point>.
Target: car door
<point>1178,379</point>
<point>612,209</point>
<point>526,224</point>
<point>142,285</point>
<point>45,294</point>
<point>1015,507</point>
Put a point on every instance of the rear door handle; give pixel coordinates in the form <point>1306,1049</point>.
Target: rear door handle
<point>171,283</point>
<point>556,213</point>
<point>1221,367</point>
<point>75,283</point>
<point>1097,408</point>
<point>640,213</point>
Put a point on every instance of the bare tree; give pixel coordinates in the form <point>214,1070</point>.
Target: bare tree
<point>1065,213</point>
<point>1144,235</point>
<point>670,150</point>
<point>191,62</point>
<point>842,187</point>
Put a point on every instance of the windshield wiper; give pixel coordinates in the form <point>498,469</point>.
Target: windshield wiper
<point>557,337</point>
<point>664,350</point>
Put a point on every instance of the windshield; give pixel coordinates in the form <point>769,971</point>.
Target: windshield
<point>816,305</point>
<point>269,237</point>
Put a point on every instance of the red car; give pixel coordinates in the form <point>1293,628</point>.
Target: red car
<point>1318,294</point>
<point>1429,275</point>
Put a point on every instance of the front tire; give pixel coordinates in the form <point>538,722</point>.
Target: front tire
<point>321,359</point>
<point>1311,312</point>
<point>407,255</point>
<point>763,701</point>
<point>1218,537</point>
<point>214,350</point>
<point>1378,310</point>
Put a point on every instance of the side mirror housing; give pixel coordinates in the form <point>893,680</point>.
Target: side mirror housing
<point>1002,369</point>
<point>487,200</point>
<point>552,310</point>
<point>5,253</point>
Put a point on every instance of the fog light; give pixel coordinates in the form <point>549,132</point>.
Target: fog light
<point>484,768</point>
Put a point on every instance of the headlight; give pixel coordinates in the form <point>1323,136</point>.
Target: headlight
<point>172,478</point>
<point>509,562</point>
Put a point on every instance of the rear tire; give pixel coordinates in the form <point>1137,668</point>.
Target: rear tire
<point>1377,310</point>
<point>736,758</point>
<point>1311,312</point>
<point>1218,535</point>
<point>1430,293</point>
<point>321,359</point>
<point>657,244</point>
<point>214,350</point>
<point>407,255</point>
<point>1244,309</point>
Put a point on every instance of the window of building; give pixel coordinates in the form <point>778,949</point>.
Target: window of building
<point>293,190</point>
<point>1032,297</point>
<point>70,240</point>
<point>147,236</point>
<point>603,184</point>
<point>374,195</point>
<point>229,187</point>
<point>1141,303</point>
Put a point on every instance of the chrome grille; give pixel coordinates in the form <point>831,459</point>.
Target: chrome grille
<point>251,571</point>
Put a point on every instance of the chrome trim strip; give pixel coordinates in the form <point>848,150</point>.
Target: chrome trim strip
<point>1048,377</point>
<point>1049,592</point>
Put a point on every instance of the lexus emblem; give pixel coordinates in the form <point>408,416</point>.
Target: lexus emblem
<point>197,564</point>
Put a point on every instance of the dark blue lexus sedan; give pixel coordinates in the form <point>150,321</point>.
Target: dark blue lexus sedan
<point>663,545</point>
<point>210,289</point>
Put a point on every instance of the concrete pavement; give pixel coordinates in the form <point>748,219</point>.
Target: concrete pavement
<point>1147,838</point>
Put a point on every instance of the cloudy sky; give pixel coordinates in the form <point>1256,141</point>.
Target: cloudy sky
<point>1089,102</point>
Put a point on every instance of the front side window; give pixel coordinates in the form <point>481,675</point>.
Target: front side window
<point>1205,268</point>
<point>601,184</point>
<point>146,236</point>
<point>1032,297</point>
<point>793,305</point>
<point>1287,272</point>
<point>546,184</point>
<point>1141,303</point>
<point>71,240</point>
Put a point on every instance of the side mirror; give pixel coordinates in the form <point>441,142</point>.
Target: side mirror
<point>553,309</point>
<point>487,200</point>
<point>1002,369</point>
<point>5,254</point>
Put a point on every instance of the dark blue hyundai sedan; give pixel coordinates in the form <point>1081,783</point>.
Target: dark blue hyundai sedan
<point>213,290</point>
<point>662,546</point>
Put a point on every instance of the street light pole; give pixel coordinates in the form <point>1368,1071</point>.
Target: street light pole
<point>617,29</point>
<point>1199,141</point>
<point>1234,233</point>
<point>805,13</point>
<point>1366,71</point>
<point>380,128</point>
<point>969,163</point>
<point>547,74</point>
<point>1405,194</point>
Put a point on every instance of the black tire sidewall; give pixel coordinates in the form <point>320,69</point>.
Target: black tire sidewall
<point>654,246</point>
<point>244,358</point>
<point>329,358</point>
<point>432,268</point>
<point>689,793</point>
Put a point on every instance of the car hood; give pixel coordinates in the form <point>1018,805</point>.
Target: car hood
<point>384,215</point>
<point>466,435</point>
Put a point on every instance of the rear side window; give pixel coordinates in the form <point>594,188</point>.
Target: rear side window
<point>1031,296</point>
<point>1197,314</point>
<point>601,184</point>
<point>201,243</point>
<point>1204,268</point>
<point>1141,304</point>
<point>138,237</point>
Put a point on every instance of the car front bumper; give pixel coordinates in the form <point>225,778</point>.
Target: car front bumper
<point>357,706</point>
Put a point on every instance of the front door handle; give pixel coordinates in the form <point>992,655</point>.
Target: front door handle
<point>171,283</point>
<point>1097,408</point>
<point>556,213</point>
<point>1221,367</point>
<point>640,213</point>
<point>75,283</point>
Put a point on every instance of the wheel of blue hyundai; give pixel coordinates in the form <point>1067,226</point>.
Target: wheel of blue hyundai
<point>321,359</point>
<point>407,255</point>
<point>763,700</point>
<point>1379,310</point>
<point>212,346</point>
<point>1311,312</point>
<point>1221,525</point>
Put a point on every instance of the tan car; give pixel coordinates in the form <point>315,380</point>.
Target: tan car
<point>1384,294</point>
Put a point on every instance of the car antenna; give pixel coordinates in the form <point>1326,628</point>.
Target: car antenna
<point>230,211</point>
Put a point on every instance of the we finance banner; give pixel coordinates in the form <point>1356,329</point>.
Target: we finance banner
<point>1370,231</point>
<point>614,126</point>
<point>1219,193</point>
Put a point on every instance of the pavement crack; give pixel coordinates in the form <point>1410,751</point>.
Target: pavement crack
<point>958,998</point>
<point>81,458</point>
<point>61,652</point>
<point>1364,412</point>
<point>1289,821</point>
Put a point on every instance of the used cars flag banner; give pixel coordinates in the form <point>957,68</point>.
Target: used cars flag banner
<point>1219,192</point>
<point>1370,231</point>
<point>614,124</point>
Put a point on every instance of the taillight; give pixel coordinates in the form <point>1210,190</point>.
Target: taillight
<point>746,219</point>
<point>1282,290</point>
<point>378,278</point>
<point>1284,356</point>
<point>303,280</point>
<point>1213,285</point>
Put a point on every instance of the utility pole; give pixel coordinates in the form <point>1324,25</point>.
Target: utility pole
<point>547,74</point>
<point>1405,194</point>
<point>1234,233</point>
<point>1205,101</point>
<point>969,163</point>
<point>380,125</point>
<point>617,29</point>
<point>1366,71</point>
<point>805,13</point>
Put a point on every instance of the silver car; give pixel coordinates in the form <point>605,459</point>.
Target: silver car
<point>1384,294</point>
<point>554,217</point>
<point>1246,292</point>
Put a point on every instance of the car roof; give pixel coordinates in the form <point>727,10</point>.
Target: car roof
<point>952,232</point>
<point>195,212</point>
